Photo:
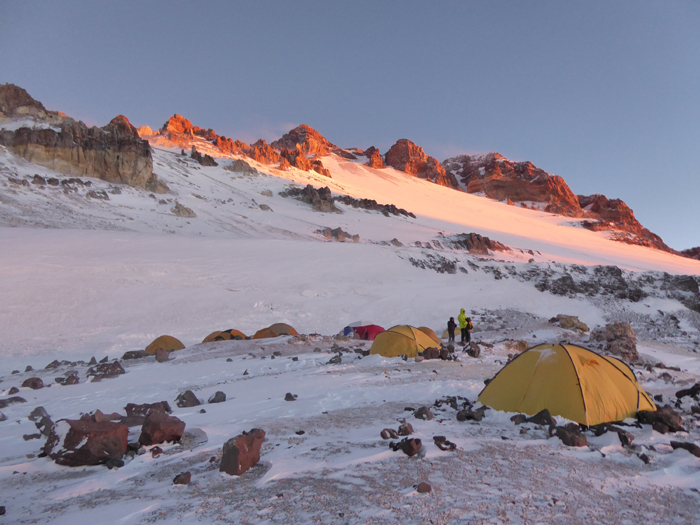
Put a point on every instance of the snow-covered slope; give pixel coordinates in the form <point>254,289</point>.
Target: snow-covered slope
<point>95,269</point>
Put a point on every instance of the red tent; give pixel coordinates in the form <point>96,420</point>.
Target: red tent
<point>368,332</point>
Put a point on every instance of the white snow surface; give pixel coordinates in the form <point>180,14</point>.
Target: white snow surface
<point>85,276</point>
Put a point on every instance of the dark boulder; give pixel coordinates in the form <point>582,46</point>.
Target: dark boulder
<point>409,446</point>
<point>13,390</point>
<point>690,447</point>
<point>571,435</point>
<point>105,370</point>
<point>187,399</point>
<point>423,488</point>
<point>423,413</point>
<point>162,355</point>
<point>242,452</point>
<point>389,433</point>
<point>443,444</point>
<point>134,354</point>
<point>405,429</point>
<point>470,414</point>
<point>183,478</point>
<point>664,419</point>
<point>159,428</point>
<point>290,397</point>
<point>693,391</point>
<point>544,418</point>
<point>218,397</point>
<point>82,442</point>
<point>35,383</point>
<point>4,403</point>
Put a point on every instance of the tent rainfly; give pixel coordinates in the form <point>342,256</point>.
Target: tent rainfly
<point>165,342</point>
<point>401,340</point>
<point>570,381</point>
<point>224,335</point>
<point>367,332</point>
<point>430,333</point>
<point>275,330</point>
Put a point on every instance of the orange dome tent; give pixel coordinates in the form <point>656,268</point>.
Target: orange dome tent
<point>275,330</point>
<point>165,342</point>
<point>224,335</point>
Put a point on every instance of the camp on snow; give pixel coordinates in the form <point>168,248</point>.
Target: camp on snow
<point>224,335</point>
<point>275,330</point>
<point>401,340</point>
<point>570,381</point>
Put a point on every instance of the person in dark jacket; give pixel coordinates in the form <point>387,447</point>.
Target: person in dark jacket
<point>468,329</point>
<point>451,325</point>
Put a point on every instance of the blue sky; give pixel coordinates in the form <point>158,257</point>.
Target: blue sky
<point>605,94</point>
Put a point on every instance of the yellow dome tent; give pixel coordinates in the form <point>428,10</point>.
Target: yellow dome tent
<point>224,335</point>
<point>430,333</point>
<point>400,340</point>
<point>570,381</point>
<point>166,342</point>
<point>275,330</point>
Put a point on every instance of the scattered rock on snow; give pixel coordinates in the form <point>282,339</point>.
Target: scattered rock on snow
<point>569,322</point>
<point>664,419</point>
<point>409,446</point>
<point>3,417</point>
<point>133,354</point>
<point>518,419</point>
<point>187,399</point>
<point>423,413</point>
<point>162,355</point>
<point>570,435</point>
<point>290,397</point>
<point>4,403</point>
<point>693,392</point>
<point>544,418</point>
<point>389,433</point>
<point>35,383</point>
<point>159,428</point>
<point>183,478</point>
<point>105,370</point>
<point>405,429</point>
<point>218,397</point>
<point>82,442</point>
<point>620,340</point>
<point>443,444</point>
<point>423,488</point>
<point>469,414</point>
<point>242,452</point>
<point>690,447</point>
<point>13,390</point>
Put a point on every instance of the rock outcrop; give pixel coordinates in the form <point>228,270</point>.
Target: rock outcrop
<point>114,153</point>
<point>374,158</point>
<point>308,140</point>
<point>407,157</point>
<point>502,179</point>
<point>85,442</point>
<point>691,253</point>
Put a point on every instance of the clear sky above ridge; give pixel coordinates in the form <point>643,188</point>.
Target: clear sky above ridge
<point>605,94</point>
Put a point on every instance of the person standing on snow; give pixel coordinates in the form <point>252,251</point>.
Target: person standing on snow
<point>451,325</point>
<point>462,319</point>
<point>469,329</point>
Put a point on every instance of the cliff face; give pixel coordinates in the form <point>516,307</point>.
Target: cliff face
<point>502,179</point>
<point>408,157</point>
<point>114,153</point>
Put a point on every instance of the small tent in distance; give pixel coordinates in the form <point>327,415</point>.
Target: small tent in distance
<point>275,330</point>
<point>569,381</point>
<point>164,342</point>
<point>367,332</point>
<point>224,335</point>
<point>401,340</point>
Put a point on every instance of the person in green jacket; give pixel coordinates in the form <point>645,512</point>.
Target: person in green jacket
<point>462,320</point>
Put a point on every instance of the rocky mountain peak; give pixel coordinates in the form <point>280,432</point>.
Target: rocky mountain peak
<point>16,102</point>
<point>178,124</point>
<point>310,141</point>
<point>406,156</point>
<point>121,125</point>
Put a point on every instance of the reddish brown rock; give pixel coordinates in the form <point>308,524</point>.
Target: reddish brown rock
<point>410,158</point>
<point>409,446</point>
<point>423,488</point>
<point>309,141</point>
<point>159,428</point>
<point>183,478</point>
<point>35,383</point>
<point>374,158</point>
<point>263,153</point>
<point>134,410</point>
<point>84,442</point>
<point>242,452</point>
<point>502,179</point>
<point>691,253</point>
<point>162,355</point>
